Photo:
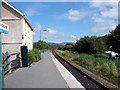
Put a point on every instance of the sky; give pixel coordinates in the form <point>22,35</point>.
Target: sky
<point>69,21</point>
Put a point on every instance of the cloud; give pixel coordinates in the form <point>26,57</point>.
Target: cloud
<point>108,9</point>
<point>56,36</point>
<point>60,37</point>
<point>36,31</point>
<point>74,15</point>
<point>34,10</point>
<point>74,37</point>
<point>38,27</point>
<point>110,13</point>
<point>106,20</point>
<point>51,35</point>
<point>104,28</point>
<point>30,12</point>
<point>51,31</point>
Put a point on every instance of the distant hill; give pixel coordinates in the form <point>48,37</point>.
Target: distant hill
<point>56,44</point>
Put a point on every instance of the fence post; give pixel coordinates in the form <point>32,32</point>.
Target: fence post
<point>1,78</point>
<point>19,59</point>
<point>9,66</point>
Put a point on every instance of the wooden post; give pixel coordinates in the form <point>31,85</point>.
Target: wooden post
<point>19,59</point>
<point>9,66</point>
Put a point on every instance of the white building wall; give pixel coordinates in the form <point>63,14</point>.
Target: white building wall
<point>27,36</point>
<point>12,41</point>
<point>18,31</point>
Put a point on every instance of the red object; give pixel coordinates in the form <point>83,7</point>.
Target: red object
<point>19,59</point>
<point>9,66</point>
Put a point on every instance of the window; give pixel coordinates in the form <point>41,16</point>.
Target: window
<point>22,36</point>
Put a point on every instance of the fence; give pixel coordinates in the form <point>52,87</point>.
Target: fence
<point>8,64</point>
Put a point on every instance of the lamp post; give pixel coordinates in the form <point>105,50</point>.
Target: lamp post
<point>44,44</point>
<point>40,40</point>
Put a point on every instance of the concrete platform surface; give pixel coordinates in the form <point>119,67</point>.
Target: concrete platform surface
<point>43,74</point>
<point>68,77</point>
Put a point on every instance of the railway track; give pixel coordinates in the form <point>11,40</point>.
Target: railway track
<point>87,81</point>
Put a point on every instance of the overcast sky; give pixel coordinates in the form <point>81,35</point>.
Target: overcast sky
<point>69,21</point>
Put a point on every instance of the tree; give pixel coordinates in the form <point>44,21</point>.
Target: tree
<point>61,47</point>
<point>43,45</point>
<point>114,40</point>
<point>90,45</point>
<point>83,45</point>
<point>69,46</point>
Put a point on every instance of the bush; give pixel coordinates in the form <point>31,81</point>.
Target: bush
<point>114,70</point>
<point>102,55</point>
<point>105,68</point>
<point>33,55</point>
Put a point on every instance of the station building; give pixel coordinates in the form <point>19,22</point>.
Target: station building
<point>20,29</point>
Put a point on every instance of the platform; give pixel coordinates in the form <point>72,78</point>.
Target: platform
<point>44,74</point>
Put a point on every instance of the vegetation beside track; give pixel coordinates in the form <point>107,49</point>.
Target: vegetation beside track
<point>106,68</point>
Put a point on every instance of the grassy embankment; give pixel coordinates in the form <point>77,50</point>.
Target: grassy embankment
<point>101,66</point>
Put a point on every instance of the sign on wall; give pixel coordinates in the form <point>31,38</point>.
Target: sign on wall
<point>3,28</point>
